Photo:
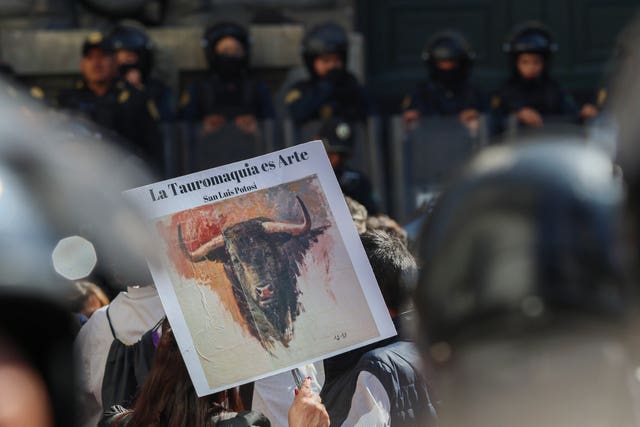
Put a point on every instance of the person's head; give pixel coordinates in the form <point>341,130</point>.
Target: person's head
<point>133,49</point>
<point>388,225</point>
<point>98,64</point>
<point>530,47</point>
<point>358,214</point>
<point>88,297</point>
<point>337,136</point>
<point>393,265</point>
<point>448,57</point>
<point>227,49</point>
<point>324,48</point>
<point>520,281</point>
<point>530,65</point>
<point>168,398</point>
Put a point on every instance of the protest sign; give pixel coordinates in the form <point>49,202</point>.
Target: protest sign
<point>261,267</point>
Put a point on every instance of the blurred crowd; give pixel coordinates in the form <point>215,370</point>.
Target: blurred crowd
<point>514,297</point>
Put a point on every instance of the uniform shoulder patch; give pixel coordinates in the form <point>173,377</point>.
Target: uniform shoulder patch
<point>602,97</point>
<point>292,96</point>
<point>79,84</point>
<point>153,110</point>
<point>95,37</point>
<point>406,102</point>
<point>495,102</point>
<point>123,96</point>
<point>326,111</point>
<point>36,92</point>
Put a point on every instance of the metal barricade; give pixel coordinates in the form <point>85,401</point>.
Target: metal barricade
<point>557,125</point>
<point>228,144</point>
<point>423,158</point>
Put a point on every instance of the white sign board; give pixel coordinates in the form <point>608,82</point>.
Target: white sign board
<point>262,269</point>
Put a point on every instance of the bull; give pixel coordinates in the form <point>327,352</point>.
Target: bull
<point>262,259</point>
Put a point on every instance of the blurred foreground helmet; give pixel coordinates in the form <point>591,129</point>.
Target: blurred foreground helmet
<point>521,303</point>
<point>55,184</point>
<point>448,46</point>
<point>133,38</point>
<point>215,33</point>
<point>323,39</point>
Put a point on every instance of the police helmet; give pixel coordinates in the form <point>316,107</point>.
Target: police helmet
<point>337,136</point>
<point>531,37</point>
<point>220,30</point>
<point>447,46</point>
<point>525,231</point>
<point>328,37</point>
<point>130,37</point>
<point>97,39</point>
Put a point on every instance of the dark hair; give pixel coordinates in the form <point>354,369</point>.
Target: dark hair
<point>168,398</point>
<point>393,265</point>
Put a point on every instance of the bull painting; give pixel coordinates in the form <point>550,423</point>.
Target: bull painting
<point>262,259</point>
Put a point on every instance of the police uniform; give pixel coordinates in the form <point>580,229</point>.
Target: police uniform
<point>227,90</point>
<point>129,37</point>
<point>447,92</point>
<point>337,96</point>
<point>228,98</point>
<point>542,94</point>
<point>123,109</point>
<point>356,185</point>
<point>431,98</point>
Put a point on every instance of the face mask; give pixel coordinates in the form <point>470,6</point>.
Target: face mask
<point>449,77</point>
<point>229,66</point>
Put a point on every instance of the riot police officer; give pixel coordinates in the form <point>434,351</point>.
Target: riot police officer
<point>113,103</point>
<point>331,91</point>
<point>134,54</point>
<point>449,58</point>
<point>228,94</point>
<point>338,138</point>
<point>530,93</point>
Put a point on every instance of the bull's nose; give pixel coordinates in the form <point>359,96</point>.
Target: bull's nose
<point>265,295</point>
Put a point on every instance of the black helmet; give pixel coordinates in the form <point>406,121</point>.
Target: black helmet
<point>531,37</point>
<point>524,230</point>
<point>448,46</point>
<point>129,37</point>
<point>322,39</point>
<point>216,32</point>
<point>337,136</point>
<point>97,39</point>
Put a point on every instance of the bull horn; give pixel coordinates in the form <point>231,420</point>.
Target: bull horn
<point>285,227</point>
<point>200,253</point>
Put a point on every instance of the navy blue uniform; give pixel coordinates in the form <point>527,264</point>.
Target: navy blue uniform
<point>356,185</point>
<point>337,95</point>
<point>228,98</point>
<point>544,95</point>
<point>162,97</point>
<point>434,99</point>
<point>125,110</point>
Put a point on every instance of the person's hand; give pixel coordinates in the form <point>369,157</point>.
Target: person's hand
<point>307,409</point>
<point>469,115</point>
<point>134,78</point>
<point>410,118</point>
<point>247,123</point>
<point>529,117</point>
<point>212,123</point>
<point>588,111</point>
